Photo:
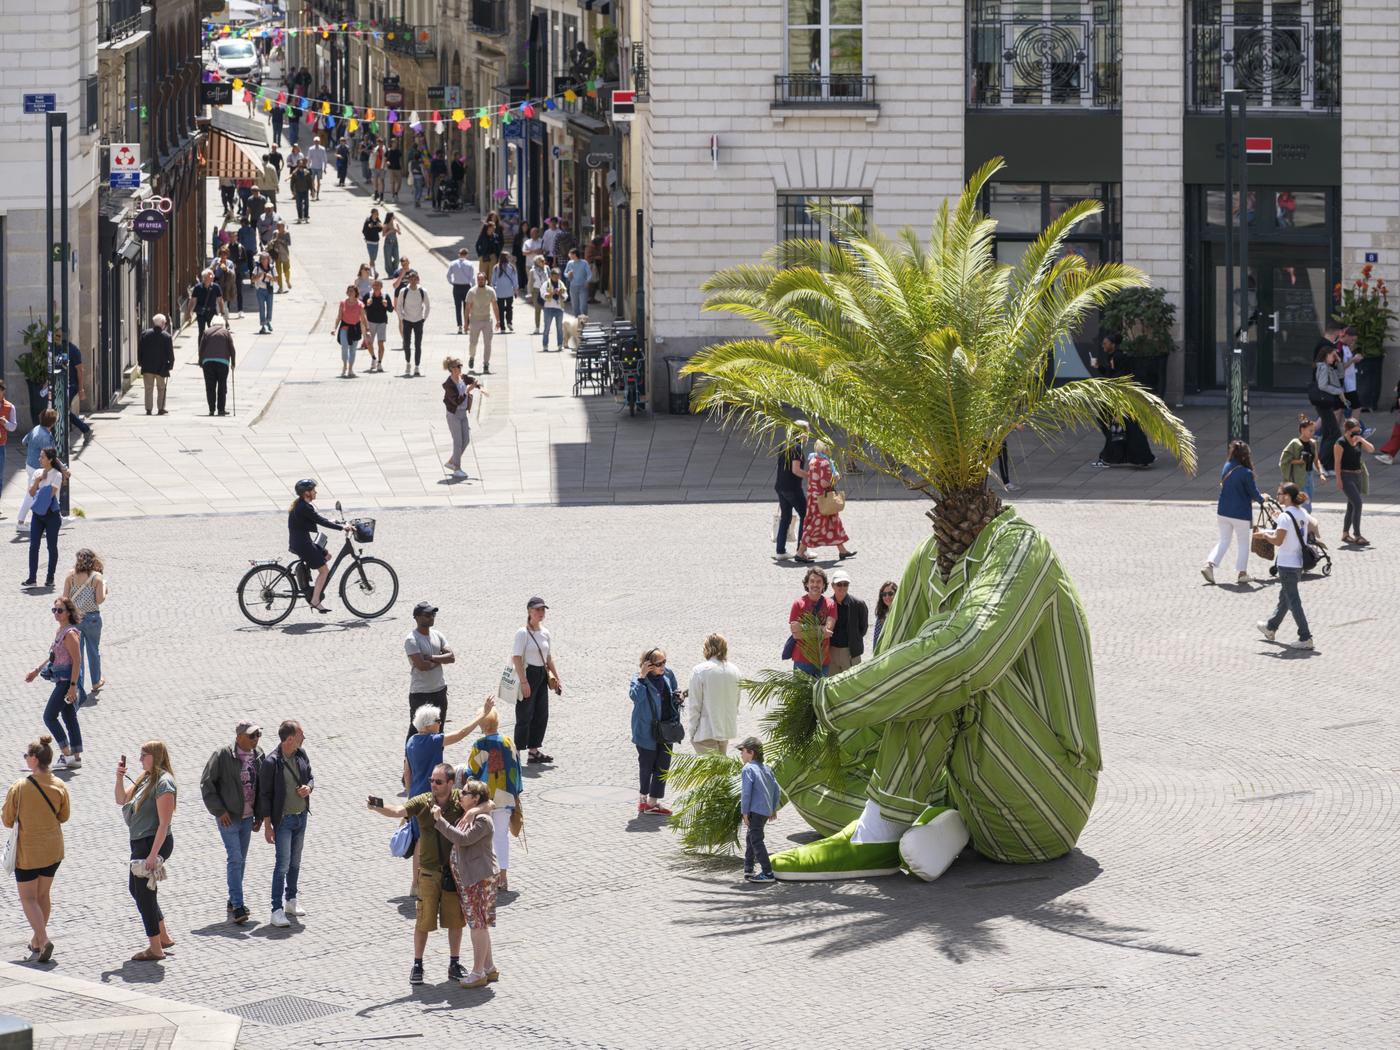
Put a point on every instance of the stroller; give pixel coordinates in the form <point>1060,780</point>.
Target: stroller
<point>1267,521</point>
<point>447,195</point>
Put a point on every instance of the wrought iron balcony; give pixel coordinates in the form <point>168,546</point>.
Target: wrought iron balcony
<point>838,89</point>
<point>491,17</point>
<point>1293,64</point>
<point>418,41</point>
<point>118,18</point>
<point>1017,62</point>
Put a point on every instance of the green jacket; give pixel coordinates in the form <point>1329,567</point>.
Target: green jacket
<point>220,784</point>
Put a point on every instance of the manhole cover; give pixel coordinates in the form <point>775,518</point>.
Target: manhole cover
<point>285,1009</point>
<point>589,795</point>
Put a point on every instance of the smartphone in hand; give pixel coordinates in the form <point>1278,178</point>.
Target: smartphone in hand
<point>375,802</point>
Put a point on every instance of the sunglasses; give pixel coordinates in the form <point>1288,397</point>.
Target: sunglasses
<point>887,594</point>
<point>439,781</point>
<point>59,610</point>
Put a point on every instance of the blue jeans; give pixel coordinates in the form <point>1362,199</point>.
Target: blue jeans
<point>373,248</point>
<point>236,838</point>
<point>90,637</point>
<point>1288,601</point>
<point>557,316</point>
<point>578,299</point>
<point>809,669</point>
<point>264,307</point>
<point>44,528</point>
<point>1308,488</point>
<point>289,836</point>
<point>347,347</point>
<point>58,707</point>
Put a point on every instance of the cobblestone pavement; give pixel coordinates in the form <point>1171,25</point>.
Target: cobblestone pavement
<point>1235,886</point>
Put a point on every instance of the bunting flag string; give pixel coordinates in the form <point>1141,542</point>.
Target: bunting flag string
<point>374,30</point>
<point>302,107</point>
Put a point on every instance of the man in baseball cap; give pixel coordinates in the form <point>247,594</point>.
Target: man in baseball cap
<point>852,619</point>
<point>427,652</point>
<point>228,786</point>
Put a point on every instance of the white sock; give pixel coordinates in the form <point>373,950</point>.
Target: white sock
<point>875,827</point>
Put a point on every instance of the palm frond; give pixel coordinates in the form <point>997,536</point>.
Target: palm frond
<point>706,817</point>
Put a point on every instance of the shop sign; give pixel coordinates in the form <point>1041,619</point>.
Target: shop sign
<point>150,225</point>
<point>216,94</point>
<point>624,106</point>
<point>1259,150</point>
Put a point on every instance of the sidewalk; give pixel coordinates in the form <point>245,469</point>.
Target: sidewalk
<point>67,1012</point>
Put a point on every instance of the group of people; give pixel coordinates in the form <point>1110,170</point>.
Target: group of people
<point>806,485</point>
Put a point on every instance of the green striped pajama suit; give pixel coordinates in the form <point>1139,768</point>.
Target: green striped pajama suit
<point>979,696</point>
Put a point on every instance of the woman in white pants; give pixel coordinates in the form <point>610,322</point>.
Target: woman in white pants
<point>1234,512</point>
<point>457,399</point>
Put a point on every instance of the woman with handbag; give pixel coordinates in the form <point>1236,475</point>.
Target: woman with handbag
<point>655,727</point>
<point>65,656</point>
<point>533,656</point>
<point>36,808</point>
<point>87,587</point>
<point>822,527</point>
<point>495,761</point>
<point>349,329</point>
<point>1234,512</point>
<point>148,807</point>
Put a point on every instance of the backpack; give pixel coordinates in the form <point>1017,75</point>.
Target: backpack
<point>1310,553</point>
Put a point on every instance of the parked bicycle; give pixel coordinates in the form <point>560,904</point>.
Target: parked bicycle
<point>269,590</point>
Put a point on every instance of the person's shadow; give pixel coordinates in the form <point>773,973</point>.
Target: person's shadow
<point>959,913</point>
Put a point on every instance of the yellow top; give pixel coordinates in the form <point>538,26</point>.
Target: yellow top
<point>40,832</point>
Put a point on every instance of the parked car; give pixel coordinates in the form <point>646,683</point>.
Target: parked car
<point>236,58</point>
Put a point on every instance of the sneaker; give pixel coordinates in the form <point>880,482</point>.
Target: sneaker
<point>642,807</point>
<point>1385,458</point>
<point>1208,571</point>
<point>764,876</point>
<point>279,918</point>
<point>415,975</point>
<point>461,475</point>
<point>240,916</point>
<point>454,972</point>
<point>1242,578</point>
<point>293,908</point>
<point>1301,643</point>
<point>471,364</point>
<point>1264,630</point>
<point>1366,432</point>
<point>416,372</point>
<point>68,762</point>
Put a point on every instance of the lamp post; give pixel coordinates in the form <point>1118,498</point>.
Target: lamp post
<point>1237,211</point>
<point>58,252</point>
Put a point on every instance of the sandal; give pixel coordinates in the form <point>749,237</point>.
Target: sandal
<point>46,953</point>
<point>540,756</point>
<point>146,955</point>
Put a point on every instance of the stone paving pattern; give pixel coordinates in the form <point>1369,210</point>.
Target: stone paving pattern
<point>1234,886</point>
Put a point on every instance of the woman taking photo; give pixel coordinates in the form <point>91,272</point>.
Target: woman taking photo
<point>1352,479</point>
<point>474,870</point>
<point>39,804</point>
<point>371,231</point>
<point>533,656</point>
<point>390,234</point>
<point>61,667</point>
<point>1234,512</point>
<point>823,610</point>
<point>87,588</point>
<point>349,330</point>
<point>888,590</point>
<point>44,490</point>
<point>148,806</point>
<point>495,761</point>
<point>457,399</point>
<point>303,524</point>
<point>655,699</point>
<point>818,529</point>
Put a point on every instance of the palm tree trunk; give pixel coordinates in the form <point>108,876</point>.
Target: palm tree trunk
<point>958,519</point>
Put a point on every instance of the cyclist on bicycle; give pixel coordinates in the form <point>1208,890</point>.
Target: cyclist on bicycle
<point>302,532</point>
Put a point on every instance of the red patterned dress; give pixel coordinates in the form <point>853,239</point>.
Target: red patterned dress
<point>821,530</point>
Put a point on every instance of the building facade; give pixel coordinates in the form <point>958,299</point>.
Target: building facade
<point>762,116</point>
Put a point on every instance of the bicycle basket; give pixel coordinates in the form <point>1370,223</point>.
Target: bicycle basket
<point>364,530</point>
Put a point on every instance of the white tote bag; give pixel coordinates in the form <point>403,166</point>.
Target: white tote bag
<point>11,850</point>
<point>508,692</point>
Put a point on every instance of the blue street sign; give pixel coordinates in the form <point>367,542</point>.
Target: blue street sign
<point>514,130</point>
<point>125,180</point>
<point>1373,257</point>
<point>40,103</point>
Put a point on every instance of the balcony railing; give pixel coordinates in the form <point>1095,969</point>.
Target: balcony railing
<point>1021,62</point>
<point>811,89</point>
<point>418,41</point>
<point>1295,64</point>
<point>490,16</point>
<point>118,18</point>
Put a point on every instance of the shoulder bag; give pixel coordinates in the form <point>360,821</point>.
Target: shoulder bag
<point>551,682</point>
<point>667,730</point>
<point>401,842</point>
<point>1310,555</point>
<point>832,501</point>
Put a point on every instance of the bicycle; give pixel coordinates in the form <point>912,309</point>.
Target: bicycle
<point>269,590</point>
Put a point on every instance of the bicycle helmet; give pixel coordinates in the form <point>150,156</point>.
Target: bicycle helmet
<point>305,485</point>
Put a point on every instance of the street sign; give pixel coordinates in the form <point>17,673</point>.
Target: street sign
<point>514,130</point>
<point>149,225</point>
<point>40,103</point>
<point>124,180</point>
<point>126,156</point>
<point>1373,257</point>
<point>436,93</point>
<point>451,96</point>
<point>216,94</point>
<point>624,106</point>
<point>1258,150</point>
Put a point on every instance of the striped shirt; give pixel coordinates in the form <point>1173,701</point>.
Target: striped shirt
<point>980,695</point>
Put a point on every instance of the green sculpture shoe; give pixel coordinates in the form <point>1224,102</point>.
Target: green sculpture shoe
<point>837,857</point>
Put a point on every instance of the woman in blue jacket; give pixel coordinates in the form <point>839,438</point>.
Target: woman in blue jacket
<point>655,698</point>
<point>1234,512</point>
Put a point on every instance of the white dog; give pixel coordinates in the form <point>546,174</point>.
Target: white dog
<point>573,327</point>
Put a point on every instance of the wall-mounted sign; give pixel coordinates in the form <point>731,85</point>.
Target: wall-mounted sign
<point>40,103</point>
<point>1259,150</point>
<point>126,156</point>
<point>150,225</point>
<point>624,106</point>
<point>124,180</point>
<point>1373,257</point>
<point>216,94</point>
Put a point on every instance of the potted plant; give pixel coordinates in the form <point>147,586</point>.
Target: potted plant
<point>1364,306</point>
<point>34,365</point>
<point>1143,319</point>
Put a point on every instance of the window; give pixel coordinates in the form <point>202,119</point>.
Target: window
<point>821,216</point>
<point>825,54</point>
<point>1283,54</point>
<point>1043,53</point>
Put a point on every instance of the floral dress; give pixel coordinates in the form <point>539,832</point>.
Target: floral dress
<point>821,530</point>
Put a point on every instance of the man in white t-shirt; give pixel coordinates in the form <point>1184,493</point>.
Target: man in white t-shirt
<point>1292,526</point>
<point>427,652</point>
<point>534,668</point>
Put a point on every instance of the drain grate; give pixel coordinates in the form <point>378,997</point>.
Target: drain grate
<point>284,1010</point>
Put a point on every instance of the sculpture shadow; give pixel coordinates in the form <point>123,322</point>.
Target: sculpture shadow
<point>958,914</point>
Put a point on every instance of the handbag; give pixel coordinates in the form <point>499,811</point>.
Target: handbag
<point>833,501</point>
<point>789,647</point>
<point>11,850</point>
<point>1259,543</point>
<point>667,730</point>
<point>401,841</point>
<point>517,818</point>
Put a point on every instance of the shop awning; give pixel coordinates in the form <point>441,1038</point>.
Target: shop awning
<point>227,158</point>
<point>240,129</point>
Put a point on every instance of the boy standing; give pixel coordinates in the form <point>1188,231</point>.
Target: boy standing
<point>758,802</point>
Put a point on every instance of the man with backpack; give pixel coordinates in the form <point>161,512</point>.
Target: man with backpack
<point>413,306</point>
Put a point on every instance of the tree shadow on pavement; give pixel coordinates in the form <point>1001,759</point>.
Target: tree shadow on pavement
<point>959,913</point>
